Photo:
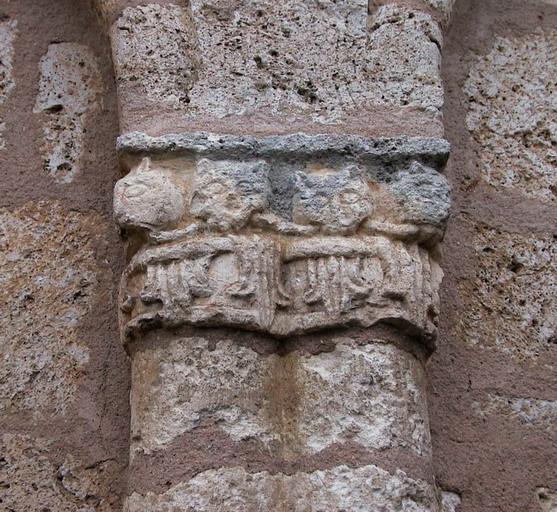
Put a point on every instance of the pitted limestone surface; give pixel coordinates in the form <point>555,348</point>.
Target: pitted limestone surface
<point>405,50</point>
<point>8,31</point>
<point>335,490</point>
<point>294,405</point>
<point>48,282</point>
<point>318,61</point>
<point>450,502</point>
<point>69,89</point>
<point>433,151</point>
<point>444,6</point>
<point>300,58</point>
<point>315,59</point>
<point>547,499</point>
<point>154,54</point>
<point>512,99</point>
<point>31,480</point>
<point>516,290</point>
<point>530,411</point>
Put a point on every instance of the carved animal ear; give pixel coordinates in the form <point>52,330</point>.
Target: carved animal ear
<point>415,167</point>
<point>144,165</point>
<point>352,171</point>
<point>204,165</point>
<point>302,180</point>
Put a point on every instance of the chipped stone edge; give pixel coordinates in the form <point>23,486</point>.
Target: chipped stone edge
<point>431,150</point>
<point>441,14</point>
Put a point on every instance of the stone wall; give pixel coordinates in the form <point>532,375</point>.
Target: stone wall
<point>493,385</point>
<point>64,377</point>
<point>329,445</point>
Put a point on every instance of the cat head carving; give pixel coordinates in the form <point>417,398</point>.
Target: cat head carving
<point>227,192</point>
<point>422,196</point>
<point>147,198</point>
<point>336,202</point>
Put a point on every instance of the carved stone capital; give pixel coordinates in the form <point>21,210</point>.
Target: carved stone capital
<point>283,235</point>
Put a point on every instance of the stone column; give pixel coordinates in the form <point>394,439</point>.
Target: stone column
<point>283,205</point>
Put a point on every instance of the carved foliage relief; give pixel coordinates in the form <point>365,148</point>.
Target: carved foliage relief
<point>281,241</point>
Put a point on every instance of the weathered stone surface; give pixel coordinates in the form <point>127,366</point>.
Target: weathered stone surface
<point>433,151</point>
<point>444,6</point>
<point>516,290</point>
<point>110,10</point>
<point>293,58</point>
<point>547,499</point>
<point>406,58</point>
<point>297,404</point>
<point>530,411</point>
<point>48,283</point>
<point>297,62</point>
<point>147,199</point>
<point>8,31</point>
<point>422,196</point>
<point>450,502</point>
<point>69,89</point>
<point>267,196</point>
<point>30,480</point>
<point>512,103</point>
<point>318,60</point>
<point>339,65</point>
<point>154,54</point>
<point>227,193</point>
<point>337,203</point>
<point>439,10</point>
<point>336,490</point>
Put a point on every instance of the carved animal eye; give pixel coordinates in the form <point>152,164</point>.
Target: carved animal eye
<point>232,201</point>
<point>215,187</point>
<point>135,190</point>
<point>349,197</point>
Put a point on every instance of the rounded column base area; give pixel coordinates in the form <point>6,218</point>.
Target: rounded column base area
<point>340,489</point>
<point>237,421</point>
